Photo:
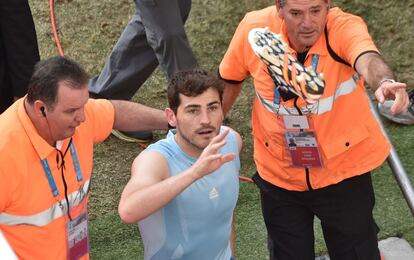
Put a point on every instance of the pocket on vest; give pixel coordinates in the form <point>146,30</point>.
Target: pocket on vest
<point>345,141</point>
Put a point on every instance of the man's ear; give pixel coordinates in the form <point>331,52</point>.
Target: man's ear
<point>279,11</point>
<point>39,108</point>
<point>277,3</point>
<point>171,118</point>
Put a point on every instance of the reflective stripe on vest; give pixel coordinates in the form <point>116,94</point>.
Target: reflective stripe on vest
<point>322,106</point>
<point>45,217</point>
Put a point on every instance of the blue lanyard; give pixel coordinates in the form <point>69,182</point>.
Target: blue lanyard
<point>48,172</point>
<point>76,162</point>
<point>276,93</point>
<point>315,60</point>
<point>276,99</point>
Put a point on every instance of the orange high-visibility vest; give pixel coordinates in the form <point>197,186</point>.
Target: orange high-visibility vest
<point>31,218</point>
<point>351,141</point>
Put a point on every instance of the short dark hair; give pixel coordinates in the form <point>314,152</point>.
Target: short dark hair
<point>47,75</point>
<point>191,84</point>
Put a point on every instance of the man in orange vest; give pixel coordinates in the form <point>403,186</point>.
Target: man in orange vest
<point>46,157</point>
<point>308,63</point>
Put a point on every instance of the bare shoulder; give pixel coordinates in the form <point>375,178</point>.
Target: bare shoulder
<point>151,166</point>
<point>238,137</point>
<point>148,168</point>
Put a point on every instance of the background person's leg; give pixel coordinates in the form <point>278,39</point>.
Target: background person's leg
<point>166,34</point>
<point>154,34</point>
<point>6,93</point>
<point>19,50</point>
<point>128,66</point>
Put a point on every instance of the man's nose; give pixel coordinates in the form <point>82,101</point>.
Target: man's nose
<point>80,116</point>
<point>307,20</point>
<point>205,118</point>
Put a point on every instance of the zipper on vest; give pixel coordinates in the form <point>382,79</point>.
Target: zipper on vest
<point>295,103</point>
<point>308,179</point>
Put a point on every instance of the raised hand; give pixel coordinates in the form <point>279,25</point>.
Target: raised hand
<point>210,159</point>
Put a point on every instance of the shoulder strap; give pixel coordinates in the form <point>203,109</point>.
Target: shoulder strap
<point>332,52</point>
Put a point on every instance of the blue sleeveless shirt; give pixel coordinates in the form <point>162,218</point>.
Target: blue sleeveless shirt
<point>196,225</point>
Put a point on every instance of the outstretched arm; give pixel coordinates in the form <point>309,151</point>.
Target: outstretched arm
<point>151,187</point>
<point>130,116</point>
<point>230,94</point>
<point>380,78</point>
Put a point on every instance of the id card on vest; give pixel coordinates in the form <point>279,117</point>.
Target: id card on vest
<point>301,142</point>
<point>78,236</point>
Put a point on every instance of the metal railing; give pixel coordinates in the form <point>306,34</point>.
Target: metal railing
<point>396,165</point>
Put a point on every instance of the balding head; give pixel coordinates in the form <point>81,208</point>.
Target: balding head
<point>304,21</point>
<point>282,3</point>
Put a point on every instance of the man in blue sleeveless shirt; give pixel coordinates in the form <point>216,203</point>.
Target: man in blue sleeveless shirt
<point>184,188</point>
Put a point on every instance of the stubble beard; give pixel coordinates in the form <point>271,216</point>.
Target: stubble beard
<point>193,144</point>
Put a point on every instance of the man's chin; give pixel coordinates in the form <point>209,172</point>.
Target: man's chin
<point>308,40</point>
<point>201,144</point>
<point>70,132</point>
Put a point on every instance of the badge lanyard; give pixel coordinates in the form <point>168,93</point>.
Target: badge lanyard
<point>301,140</point>
<point>315,61</point>
<point>50,178</point>
<point>77,228</point>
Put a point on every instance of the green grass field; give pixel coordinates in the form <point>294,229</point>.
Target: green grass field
<point>89,29</point>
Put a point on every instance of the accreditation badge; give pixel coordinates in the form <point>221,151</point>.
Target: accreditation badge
<point>78,237</point>
<point>303,149</point>
<point>301,142</point>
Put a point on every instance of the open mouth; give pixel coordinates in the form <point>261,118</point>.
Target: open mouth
<point>205,131</point>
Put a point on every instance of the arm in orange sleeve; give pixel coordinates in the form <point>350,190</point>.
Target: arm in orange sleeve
<point>4,191</point>
<point>379,77</point>
<point>233,67</point>
<point>230,94</point>
<point>357,47</point>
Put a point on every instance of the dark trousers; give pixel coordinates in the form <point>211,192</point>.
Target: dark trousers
<point>154,35</point>
<point>18,50</point>
<point>345,211</point>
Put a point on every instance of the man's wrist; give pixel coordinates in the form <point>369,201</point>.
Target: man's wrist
<point>389,80</point>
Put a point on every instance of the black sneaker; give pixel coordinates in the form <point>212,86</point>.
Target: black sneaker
<point>133,137</point>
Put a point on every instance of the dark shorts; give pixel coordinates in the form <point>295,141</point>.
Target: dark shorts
<point>345,211</point>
